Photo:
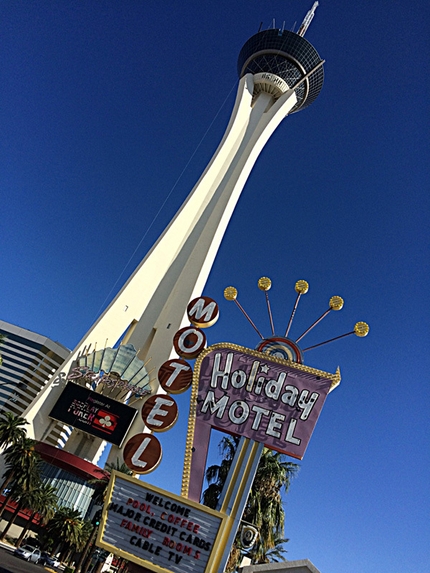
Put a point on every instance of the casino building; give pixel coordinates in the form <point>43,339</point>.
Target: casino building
<point>29,360</point>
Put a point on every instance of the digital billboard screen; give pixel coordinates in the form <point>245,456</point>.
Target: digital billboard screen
<point>93,413</point>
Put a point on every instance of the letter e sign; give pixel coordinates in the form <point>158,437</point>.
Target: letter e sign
<point>160,412</point>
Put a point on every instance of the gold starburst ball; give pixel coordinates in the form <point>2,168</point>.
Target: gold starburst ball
<point>361,329</point>
<point>302,287</point>
<point>230,293</point>
<point>336,303</point>
<point>264,283</point>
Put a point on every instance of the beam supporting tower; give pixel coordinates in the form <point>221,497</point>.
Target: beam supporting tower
<point>150,307</point>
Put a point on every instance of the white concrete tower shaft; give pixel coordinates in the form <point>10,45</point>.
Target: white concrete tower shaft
<point>151,305</point>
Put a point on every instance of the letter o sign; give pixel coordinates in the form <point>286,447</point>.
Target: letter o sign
<point>142,453</point>
<point>189,342</point>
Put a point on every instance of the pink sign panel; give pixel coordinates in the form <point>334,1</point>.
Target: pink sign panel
<point>260,397</point>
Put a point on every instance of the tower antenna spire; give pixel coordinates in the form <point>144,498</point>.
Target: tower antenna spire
<point>307,20</point>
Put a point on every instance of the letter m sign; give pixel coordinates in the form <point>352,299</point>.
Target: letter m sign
<point>203,312</point>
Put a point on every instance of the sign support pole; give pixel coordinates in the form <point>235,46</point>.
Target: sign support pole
<point>235,495</point>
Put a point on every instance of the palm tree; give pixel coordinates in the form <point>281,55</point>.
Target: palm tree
<point>263,508</point>
<point>102,483</point>
<point>11,431</point>
<point>66,526</point>
<point>24,499</point>
<point>276,554</point>
<point>44,504</point>
<point>22,468</point>
<point>101,486</point>
<point>216,475</point>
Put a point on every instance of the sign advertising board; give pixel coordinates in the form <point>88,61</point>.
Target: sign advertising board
<point>259,396</point>
<point>158,529</point>
<point>115,368</point>
<point>93,413</point>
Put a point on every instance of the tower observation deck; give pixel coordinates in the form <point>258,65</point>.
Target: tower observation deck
<point>287,56</point>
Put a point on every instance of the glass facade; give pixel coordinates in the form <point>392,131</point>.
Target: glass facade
<point>29,360</point>
<point>72,491</point>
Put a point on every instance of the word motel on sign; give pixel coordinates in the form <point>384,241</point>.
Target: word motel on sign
<point>142,452</point>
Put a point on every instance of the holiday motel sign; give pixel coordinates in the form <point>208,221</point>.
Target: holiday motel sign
<point>266,395</point>
<point>265,399</point>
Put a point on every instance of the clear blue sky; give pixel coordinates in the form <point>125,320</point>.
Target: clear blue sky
<point>108,108</point>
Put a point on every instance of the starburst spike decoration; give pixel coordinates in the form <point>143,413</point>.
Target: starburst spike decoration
<point>361,329</point>
<point>230,293</point>
<point>282,346</point>
<point>335,303</point>
<point>264,284</point>
<point>301,287</point>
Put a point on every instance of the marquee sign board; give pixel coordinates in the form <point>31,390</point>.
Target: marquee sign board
<point>118,368</point>
<point>93,413</point>
<point>158,529</point>
<point>261,397</point>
